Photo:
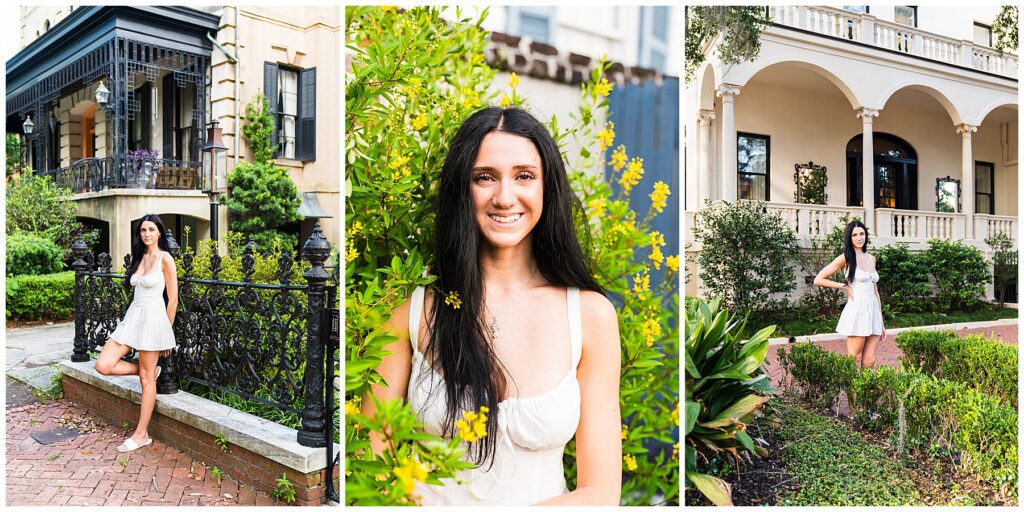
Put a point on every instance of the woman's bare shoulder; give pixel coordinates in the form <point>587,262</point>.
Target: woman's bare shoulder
<point>596,310</point>
<point>167,260</point>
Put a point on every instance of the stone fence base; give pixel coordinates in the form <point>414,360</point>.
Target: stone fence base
<point>258,451</point>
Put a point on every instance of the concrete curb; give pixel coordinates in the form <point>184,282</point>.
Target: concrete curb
<point>941,327</point>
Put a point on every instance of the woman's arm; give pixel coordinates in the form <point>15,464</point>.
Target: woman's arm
<point>599,434</point>
<point>171,285</point>
<point>394,368</point>
<point>822,279</point>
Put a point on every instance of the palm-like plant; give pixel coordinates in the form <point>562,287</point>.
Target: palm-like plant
<point>726,387</point>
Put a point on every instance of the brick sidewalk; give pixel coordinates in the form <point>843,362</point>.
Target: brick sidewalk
<point>887,353</point>
<point>88,470</point>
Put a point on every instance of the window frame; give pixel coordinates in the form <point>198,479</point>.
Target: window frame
<point>986,27</point>
<point>280,114</point>
<point>767,164</point>
<point>992,186</point>
<point>912,7</point>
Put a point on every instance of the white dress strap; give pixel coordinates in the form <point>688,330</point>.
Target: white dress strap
<point>415,310</point>
<point>575,324</point>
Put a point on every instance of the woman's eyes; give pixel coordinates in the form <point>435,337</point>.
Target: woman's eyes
<point>523,176</point>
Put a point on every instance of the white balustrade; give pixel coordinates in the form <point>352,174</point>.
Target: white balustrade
<point>919,226</point>
<point>988,225</point>
<point>813,220</point>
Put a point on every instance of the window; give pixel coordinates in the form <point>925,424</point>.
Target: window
<point>982,34</point>
<point>537,23</point>
<point>984,188</point>
<point>906,15</point>
<point>856,8</point>
<point>895,173</point>
<point>653,47</point>
<point>753,166</point>
<point>291,96</point>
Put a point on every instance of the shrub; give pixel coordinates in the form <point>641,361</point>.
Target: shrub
<point>823,302</point>
<point>746,254</point>
<point>902,279</point>
<point>38,205</point>
<point>868,390</point>
<point>921,349</point>
<point>41,297</point>
<point>960,273</point>
<point>31,254</point>
<point>1004,264</point>
<point>819,375</point>
<point>726,387</point>
<point>985,365</point>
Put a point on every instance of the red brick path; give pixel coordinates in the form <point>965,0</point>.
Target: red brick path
<point>887,353</point>
<point>88,470</point>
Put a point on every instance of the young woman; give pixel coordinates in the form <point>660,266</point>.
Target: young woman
<point>146,326</point>
<point>861,321</point>
<point>515,322</point>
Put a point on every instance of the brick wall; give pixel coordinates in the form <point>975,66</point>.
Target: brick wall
<point>247,467</point>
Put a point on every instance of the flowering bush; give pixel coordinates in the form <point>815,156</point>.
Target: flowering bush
<point>413,79</point>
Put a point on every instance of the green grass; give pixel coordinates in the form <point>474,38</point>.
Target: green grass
<point>835,466</point>
<point>808,326</point>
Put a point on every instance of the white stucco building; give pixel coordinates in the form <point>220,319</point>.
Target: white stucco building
<point>909,110</point>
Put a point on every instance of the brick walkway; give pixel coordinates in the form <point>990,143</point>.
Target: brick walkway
<point>87,470</point>
<point>887,353</point>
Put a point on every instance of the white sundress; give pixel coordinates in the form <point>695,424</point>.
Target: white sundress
<point>145,325</point>
<point>532,431</point>
<point>861,316</point>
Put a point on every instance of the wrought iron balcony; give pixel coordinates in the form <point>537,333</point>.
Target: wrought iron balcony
<point>127,172</point>
<point>867,29</point>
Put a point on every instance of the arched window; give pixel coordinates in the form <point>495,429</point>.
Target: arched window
<point>895,172</point>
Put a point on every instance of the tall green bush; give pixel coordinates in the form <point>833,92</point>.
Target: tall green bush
<point>31,254</point>
<point>902,279</point>
<point>983,364</point>
<point>41,297</point>
<point>726,386</point>
<point>1004,264</point>
<point>746,254</point>
<point>960,273</point>
<point>414,78</point>
<point>35,204</point>
<point>819,375</point>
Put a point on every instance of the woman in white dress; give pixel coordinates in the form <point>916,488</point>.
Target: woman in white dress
<point>861,321</point>
<point>146,326</point>
<point>515,323</point>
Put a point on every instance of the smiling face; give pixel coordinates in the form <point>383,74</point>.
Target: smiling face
<point>858,236</point>
<point>507,188</point>
<point>149,233</point>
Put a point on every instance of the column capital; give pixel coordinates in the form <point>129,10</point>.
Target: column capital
<point>727,91</point>
<point>966,130</point>
<point>705,116</point>
<point>867,114</point>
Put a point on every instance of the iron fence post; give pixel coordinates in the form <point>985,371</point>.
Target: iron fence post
<point>316,250</point>
<point>167,381</point>
<point>80,250</point>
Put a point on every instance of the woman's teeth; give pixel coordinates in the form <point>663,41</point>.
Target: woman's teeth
<point>506,219</point>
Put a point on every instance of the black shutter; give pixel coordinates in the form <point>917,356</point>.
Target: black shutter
<point>306,122</point>
<point>168,116</point>
<point>270,90</point>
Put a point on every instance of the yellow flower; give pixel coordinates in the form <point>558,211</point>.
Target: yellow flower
<point>409,471</point>
<point>672,262</point>
<point>355,228</point>
<point>630,462</point>
<point>634,171</point>
<point>352,406</point>
<point>651,331</point>
<point>604,88</point>
<point>657,241</point>
<point>659,198</point>
<point>505,101</point>
<point>419,122</point>
<point>597,207</point>
<point>675,451</point>
<point>473,426</point>
<point>623,432</point>
<point>619,158</point>
<point>513,81</point>
<point>606,136</point>
<point>642,283</point>
<point>675,414</point>
<point>470,99</point>
<point>453,300</point>
<point>389,8</point>
<point>351,254</point>
<point>397,160</point>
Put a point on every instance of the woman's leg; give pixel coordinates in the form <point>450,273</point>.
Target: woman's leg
<point>147,377</point>
<point>854,347</point>
<point>870,345</point>
<point>109,361</point>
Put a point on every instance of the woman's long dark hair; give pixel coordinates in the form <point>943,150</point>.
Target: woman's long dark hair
<point>139,248</point>
<point>459,340</point>
<point>849,252</point>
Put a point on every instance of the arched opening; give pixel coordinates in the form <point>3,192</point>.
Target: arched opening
<point>895,172</point>
<point>89,132</point>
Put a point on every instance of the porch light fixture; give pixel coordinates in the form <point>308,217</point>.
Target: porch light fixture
<point>28,125</point>
<point>102,94</point>
<point>214,169</point>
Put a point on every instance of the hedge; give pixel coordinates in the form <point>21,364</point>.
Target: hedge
<point>986,365</point>
<point>32,254</point>
<point>42,297</point>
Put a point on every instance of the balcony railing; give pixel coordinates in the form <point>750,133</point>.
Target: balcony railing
<point>96,174</point>
<point>867,29</point>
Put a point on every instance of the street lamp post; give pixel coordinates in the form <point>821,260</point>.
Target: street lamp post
<point>214,169</point>
<point>27,128</point>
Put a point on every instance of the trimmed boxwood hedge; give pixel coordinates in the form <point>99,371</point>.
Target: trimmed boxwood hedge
<point>42,297</point>
<point>989,366</point>
<point>32,254</point>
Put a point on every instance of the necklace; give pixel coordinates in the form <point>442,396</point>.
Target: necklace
<point>493,326</point>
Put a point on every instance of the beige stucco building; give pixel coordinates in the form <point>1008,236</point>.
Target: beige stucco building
<point>910,111</point>
<point>169,72</point>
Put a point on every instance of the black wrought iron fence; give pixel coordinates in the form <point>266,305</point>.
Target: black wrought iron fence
<point>268,342</point>
<point>95,174</point>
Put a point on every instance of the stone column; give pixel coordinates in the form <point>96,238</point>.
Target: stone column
<point>728,94</point>
<point>967,176</point>
<point>868,115</point>
<point>704,118</point>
